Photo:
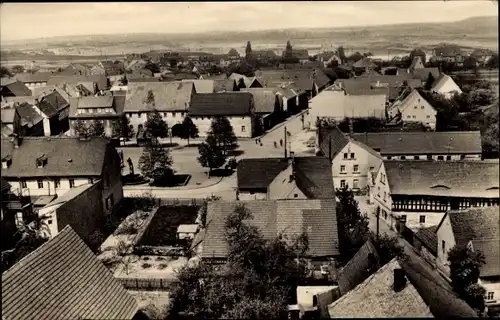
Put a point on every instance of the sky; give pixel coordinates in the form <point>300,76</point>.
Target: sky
<point>42,20</point>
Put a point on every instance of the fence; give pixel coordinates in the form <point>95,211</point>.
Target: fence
<point>146,284</point>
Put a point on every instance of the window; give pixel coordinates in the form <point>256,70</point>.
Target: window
<point>355,184</point>
<point>57,183</point>
<point>403,218</point>
<point>345,155</point>
<point>440,158</point>
<point>389,158</point>
<point>174,114</point>
<point>371,168</point>
<point>462,157</point>
<point>403,158</point>
<point>91,180</point>
<point>355,168</point>
<point>295,195</point>
<point>139,115</point>
<point>352,155</point>
<point>429,157</point>
<point>71,183</point>
<point>448,158</point>
<point>414,117</point>
<point>428,117</point>
<point>416,157</point>
<point>490,296</point>
<point>443,246</point>
<point>182,114</point>
<point>421,107</point>
<point>342,184</point>
<point>243,129</point>
<point>40,184</point>
<point>385,195</point>
<point>415,107</point>
<point>23,184</point>
<point>421,219</point>
<point>342,169</point>
<point>49,221</point>
<point>109,202</point>
<point>378,192</point>
<point>409,117</point>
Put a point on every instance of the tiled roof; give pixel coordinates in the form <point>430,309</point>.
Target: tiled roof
<point>117,103</point>
<point>317,218</point>
<point>482,223</point>
<point>264,99</point>
<point>360,267</point>
<point>417,62</point>
<point>364,63</point>
<point>332,141</point>
<point>274,78</point>
<point>370,73</point>
<point>423,73</point>
<point>448,51</point>
<point>260,172</point>
<point>52,103</point>
<point>100,80</point>
<point>221,104</point>
<point>443,178</point>
<point>491,252</point>
<point>203,86</point>
<point>93,102</point>
<point>233,52</point>
<point>27,77</point>
<point>420,143</point>
<point>6,131</point>
<point>441,81</point>
<point>169,96</point>
<point>4,185</point>
<point>18,89</point>
<point>428,238</point>
<point>63,279</point>
<point>224,85</point>
<point>76,69</point>
<point>180,76</point>
<point>413,99</point>
<point>4,81</point>
<point>28,115</point>
<point>64,156</point>
<point>7,115</point>
<point>375,297</point>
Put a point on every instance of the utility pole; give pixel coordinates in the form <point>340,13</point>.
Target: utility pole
<point>285,144</point>
<point>378,222</point>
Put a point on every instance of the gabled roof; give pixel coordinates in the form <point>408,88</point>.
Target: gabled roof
<point>260,172</point>
<point>332,141</point>
<point>27,77</point>
<point>360,267</point>
<point>76,69</point>
<point>419,143</point>
<point>441,81</point>
<point>4,185</point>
<point>275,78</point>
<point>417,63</point>
<point>428,238</point>
<point>423,73</point>
<point>448,51</point>
<point>100,80</point>
<point>364,63</point>
<point>481,53</point>
<point>375,297</point>
<point>491,252</point>
<point>223,85</point>
<point>18,89</point>
<point>221,104</point>
<point>169,96</point>
<point>317,218</point>
<point>233,52</point>
<point>64,157</point>
<point>443,178</point>
<point>63,279</point>
<point>414,99</point>
<point>52,103</point>
<point>264,99</point>
<point>93,102</point>
<point>29,116</point>
<point>370,73</point>
<point>117,103</point>
<point>203,86</point>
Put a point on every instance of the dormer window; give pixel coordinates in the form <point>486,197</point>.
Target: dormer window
<point>41,161</point>
<point>6,161</point>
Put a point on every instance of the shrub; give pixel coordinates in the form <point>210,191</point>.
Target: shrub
<point>160,258</point>
<point>145,258</point>
<point>146,265</point>
<point>162,266</point>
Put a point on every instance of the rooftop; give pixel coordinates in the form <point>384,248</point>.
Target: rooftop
<point>168,96</point>
<point>491,252</point>
<point>221,104</point>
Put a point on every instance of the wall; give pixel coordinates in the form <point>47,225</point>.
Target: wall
<point>245,195</point>
<point>32,85</point>
<point>107,123</point>
<point>282,188</point>
<point>203,124</point>
<point>112,169</point>
<point>382,186</point>
<point>491,285</point>
<point>364,159</point>
<point>416,109</point>
<point>454,157</point>
<point>413,218</point>
<point>171,118</point>
<point>48,185</point>
<point>445,233</point>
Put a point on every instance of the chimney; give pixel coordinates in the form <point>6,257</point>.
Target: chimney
<point>6,161</point>
<point>399,280</point>
<point>291,162</point>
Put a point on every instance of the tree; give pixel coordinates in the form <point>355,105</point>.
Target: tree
<point>17,69</point>
<point>465,267</point>
<point>470,63</point>
<point>188,129</point>
<point>341,54</point>
<point>80,128</point>
<point>429,82</point>
<point>211,155</point>
<point>352,226</point>
<point>122,128</point>
<point>388,248</point>
<point>4,72</point>
<point>96,129</point>
<point>153,67</point>
<point>492,62</point>
<point>223,133</point>
<point>155,126</point>
<point>248,50</point>
<point>155,163</point>
<point>257,281</point>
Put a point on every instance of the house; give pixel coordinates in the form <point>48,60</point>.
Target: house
<point>441,146</point>
<point>268,55</point>
<point>213,86</point>
<point>31,121</point>
<point>238,107</point>
<point>362,265</point>
<point>289,98</point>
<point>135,65</point>
<point>448,53</point>
<point>317,218</point>
<point>40,166</point>
<point>101,81</point>
<point>171,100</point>
<point>54,109</point>
<point>445,85</point>
<point>233,56</point>
<point>84,89</point>
<point>33,80</point>
<point>414,108</point>
<point>267,106</point>
<point>13,88</point>
<point>363,65</point>
<point>106,109</point>
<point>337,104</point>
<point>425,241</point>
<point>9,217</point>
<point>93,294</point>
<point>179,76</point>
<point>8,117</point>
<point>420,192</point>
<point>311,81</point>
<point>327,58</point>
<point>76,69</point>
<point>301,54</point>
<point>246,82</point>
<point>351,161</point>
<point>417,63</point>
<point>478,229</point>
<point>314,300</point>
<point>481,55</point>
<point>281,178</point>
<point>224,85</point>
<point>422,74</point>
<point>113,70</point>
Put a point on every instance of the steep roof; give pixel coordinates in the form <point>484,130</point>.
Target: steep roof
<point>423,73</point>
<point>202,86</point>
<point>491,252</point>
<point>63,279</point>
<point>27,77</point>
<point>413,99</point>
<point>332,141</point>
<point>169,96</point>
<point>364,63</point>
<point>18,89</point>
<point>375,297</point>
<point>52,103</point>
<point>275,78</point>
<point>428,238</point>
<point>448,51</point>
<point>76,69</point>
<point>221,104</point>
<point>59,151</point>
<point>264,99</point>
<point>100,80</point>
<point>418,143</point>
<point>417,63</point>
<point>360,267</point>
<point>29,116</point>
<point>480,223</point>
<point>4,185</point>
<point>260,172</point>
<point>222,85</point>
<point>233,52</point>
<point>291,217</point>
<point>440,178</point>
<point>441,81</point>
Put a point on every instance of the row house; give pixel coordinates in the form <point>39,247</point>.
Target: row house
<point>34,80</point>
<point>284,178</point>
<point>448,53</point>
<point>311,81</point>
<point>479,230</point>
<point>268,109</point>
<point>413,108</point>
<point>420,192</point>
<point>170,99</point>
<point>292,98</point>
<point>237,107</point>
<point>106,109</point>
<point>48,166</point>
<point>430,145</point>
